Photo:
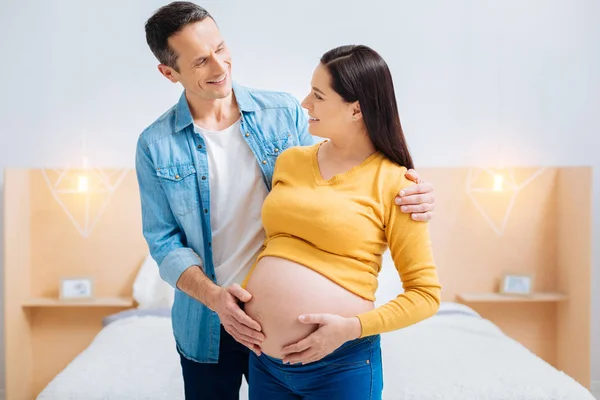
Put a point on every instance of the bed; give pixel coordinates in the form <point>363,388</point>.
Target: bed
<point>454,355</point>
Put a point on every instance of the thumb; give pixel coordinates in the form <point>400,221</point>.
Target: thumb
<point>237,291</point>
<point>314,319</point>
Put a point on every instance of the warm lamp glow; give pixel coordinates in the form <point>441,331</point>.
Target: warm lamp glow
<point>83,184</point>
<point>498,182</point>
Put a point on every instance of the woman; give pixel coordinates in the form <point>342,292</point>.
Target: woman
<point>328,220</point>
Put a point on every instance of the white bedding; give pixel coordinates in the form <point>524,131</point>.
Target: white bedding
<point>453,356</point>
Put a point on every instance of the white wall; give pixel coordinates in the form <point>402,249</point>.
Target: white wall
<point>484,81</point>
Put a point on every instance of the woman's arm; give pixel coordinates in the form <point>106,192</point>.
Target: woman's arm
<point>410,247</point>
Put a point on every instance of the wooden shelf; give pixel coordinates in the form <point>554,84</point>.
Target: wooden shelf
<point>510,298</point>
<point>120,302</point>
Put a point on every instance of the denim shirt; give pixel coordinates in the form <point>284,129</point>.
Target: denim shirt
<point>172,173</point>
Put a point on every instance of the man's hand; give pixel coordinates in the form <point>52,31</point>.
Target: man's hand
<point>235,321</point>
<point>417,200</point>
<point>333,332</point>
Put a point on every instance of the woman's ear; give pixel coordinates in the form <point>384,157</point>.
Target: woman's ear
<point>356,113</point>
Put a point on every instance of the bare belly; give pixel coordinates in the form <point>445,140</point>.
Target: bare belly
<point>282,290</point>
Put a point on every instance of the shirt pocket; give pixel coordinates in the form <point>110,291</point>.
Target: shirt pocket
<point>275,146</point>
<point>181,187</point>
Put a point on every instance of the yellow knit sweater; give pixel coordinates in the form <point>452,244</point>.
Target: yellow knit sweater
<point>341,227</point>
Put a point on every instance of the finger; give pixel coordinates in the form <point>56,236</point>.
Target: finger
<point>242,334</point>
<point>246,330</point>
<point>419,208</point>
<point>421,188</point>
<point>240,338</point>
<point>423,217</point>
<point>417,199</point>
<point>314,318</point>
<point>243,318</point>
<point>240,293</point>
<point>412,175</point>
<point>302,357</point>
<point>298,346</point>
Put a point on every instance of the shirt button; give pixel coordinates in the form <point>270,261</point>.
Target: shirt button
<point>199,146</point>
<point>247,134</point>
<point>203,178</point>
<point>264,161</point>
<point>206,210</point>
<point>176,176</point>
<point>209,244</point>
<point>276,150</point>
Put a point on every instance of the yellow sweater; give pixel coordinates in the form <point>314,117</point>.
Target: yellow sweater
<point>342,226</point>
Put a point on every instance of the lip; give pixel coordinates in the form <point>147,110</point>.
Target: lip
<point>221,82</point>
<point>312,120</point>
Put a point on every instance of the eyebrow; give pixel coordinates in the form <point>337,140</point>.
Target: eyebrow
<point>317,90</point>
<point>204,57</point>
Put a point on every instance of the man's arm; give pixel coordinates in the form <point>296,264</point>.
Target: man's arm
<point>179,265</point>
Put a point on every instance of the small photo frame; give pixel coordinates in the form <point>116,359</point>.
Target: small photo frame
<point>76,288</point>
<point>517,284</point>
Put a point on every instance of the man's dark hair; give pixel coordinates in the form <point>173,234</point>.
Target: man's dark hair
<point>167,21</point>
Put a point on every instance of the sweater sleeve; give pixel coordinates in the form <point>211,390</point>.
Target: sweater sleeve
<point>410,247</point>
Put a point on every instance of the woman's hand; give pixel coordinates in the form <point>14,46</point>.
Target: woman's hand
<point>333,331</point>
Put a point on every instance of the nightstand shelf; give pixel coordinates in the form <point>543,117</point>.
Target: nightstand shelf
<point>542,297</point>
<point>118,302</point>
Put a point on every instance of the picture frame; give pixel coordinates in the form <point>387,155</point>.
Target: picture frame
<point>517,284</point>
<point>76,288</point>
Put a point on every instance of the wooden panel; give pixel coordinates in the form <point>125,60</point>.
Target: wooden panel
<point>574,272</point>
<point>36,302</point>
<point>17,334</point>
<point>503,298</point>
<point>111,254</point>
<point>471,256</point>
<point>531,324</point>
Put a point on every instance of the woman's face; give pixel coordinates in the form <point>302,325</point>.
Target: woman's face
<point>329,115</point>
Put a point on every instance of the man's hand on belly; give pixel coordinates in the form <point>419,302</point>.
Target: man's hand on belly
<point>235,321</point>
<point>333,332</point>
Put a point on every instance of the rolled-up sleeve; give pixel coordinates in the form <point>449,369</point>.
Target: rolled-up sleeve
<point>160,228</point>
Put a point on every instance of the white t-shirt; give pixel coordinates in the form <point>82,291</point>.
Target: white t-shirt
<point>237,193</point>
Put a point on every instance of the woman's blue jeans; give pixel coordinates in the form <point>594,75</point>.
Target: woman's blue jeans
<point>351,372</point>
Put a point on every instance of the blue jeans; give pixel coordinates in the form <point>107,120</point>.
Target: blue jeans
<point>220,381</point>
<point>352,372</point>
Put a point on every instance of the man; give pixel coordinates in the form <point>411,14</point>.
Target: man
<point>204,169</point>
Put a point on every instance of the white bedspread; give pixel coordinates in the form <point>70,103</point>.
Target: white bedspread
<point>453,356</point>
<point>130,359</point>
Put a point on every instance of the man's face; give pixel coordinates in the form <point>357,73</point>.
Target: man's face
<point>203,61</point>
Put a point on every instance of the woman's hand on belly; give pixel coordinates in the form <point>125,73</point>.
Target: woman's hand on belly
<point>333,331</point>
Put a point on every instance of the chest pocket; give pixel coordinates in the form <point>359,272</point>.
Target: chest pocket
<point>274,147</point>
<point>181,187</point>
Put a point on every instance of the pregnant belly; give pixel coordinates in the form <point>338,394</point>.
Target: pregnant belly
<point>282,290</point>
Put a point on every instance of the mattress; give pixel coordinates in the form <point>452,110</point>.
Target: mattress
<point>455,355</point>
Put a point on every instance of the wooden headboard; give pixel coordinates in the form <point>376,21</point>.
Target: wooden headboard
<point>50,234</point>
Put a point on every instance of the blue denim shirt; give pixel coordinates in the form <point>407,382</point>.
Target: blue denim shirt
<point>172,172</point>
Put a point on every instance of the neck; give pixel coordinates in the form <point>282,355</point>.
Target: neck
<point>356,146</point>
<point>211,112</point>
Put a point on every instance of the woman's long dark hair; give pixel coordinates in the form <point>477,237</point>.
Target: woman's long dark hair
<point>358,73</point>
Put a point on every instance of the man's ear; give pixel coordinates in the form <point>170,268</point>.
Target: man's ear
<point>168,73</point>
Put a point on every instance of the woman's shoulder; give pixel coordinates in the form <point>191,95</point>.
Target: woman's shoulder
<point>393,175</point>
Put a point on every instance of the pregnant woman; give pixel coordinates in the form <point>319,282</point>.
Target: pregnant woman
<point>328,220</point>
